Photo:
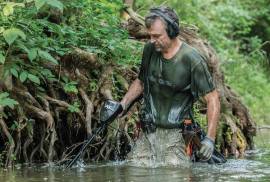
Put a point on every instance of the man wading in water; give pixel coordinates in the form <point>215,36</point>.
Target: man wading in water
<point>173,75</point>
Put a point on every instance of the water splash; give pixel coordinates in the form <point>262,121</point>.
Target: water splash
<point>164,148</point>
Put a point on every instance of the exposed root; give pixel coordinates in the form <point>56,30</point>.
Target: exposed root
<point>106,80</point>
<point>41,114</point>
<point>89,110</point>
<point>52,152</point>
<point>10,156</point>
<point>28,141</point>
<point>63,104</point>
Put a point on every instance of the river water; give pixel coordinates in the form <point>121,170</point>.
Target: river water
<point>254,167</point>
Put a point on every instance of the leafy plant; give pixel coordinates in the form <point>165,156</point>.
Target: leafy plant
<point>70,87</point>
<point>74,107</point>
<point>6,101</point>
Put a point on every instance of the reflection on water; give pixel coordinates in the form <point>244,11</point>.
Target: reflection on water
<point>255,167</point>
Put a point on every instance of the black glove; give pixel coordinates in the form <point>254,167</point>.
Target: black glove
<point>109,111</point>
<point>206,149</point>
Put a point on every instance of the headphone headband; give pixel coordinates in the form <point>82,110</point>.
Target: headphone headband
<point>160,13</point>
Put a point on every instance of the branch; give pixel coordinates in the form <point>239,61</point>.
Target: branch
<point>41,114</point>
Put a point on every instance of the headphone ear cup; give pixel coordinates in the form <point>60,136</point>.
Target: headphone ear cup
<point>171,31</point>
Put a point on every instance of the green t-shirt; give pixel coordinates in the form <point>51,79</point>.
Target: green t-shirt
<point>173,85</point>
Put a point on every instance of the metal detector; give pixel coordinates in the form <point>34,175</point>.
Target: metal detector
<point>109,111</point>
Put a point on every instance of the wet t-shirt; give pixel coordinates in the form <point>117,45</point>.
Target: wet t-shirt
<point>171,86</point>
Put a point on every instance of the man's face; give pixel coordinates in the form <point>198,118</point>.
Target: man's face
<point>158,35</point>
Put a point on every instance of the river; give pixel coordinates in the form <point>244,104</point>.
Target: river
<point>254,167</point>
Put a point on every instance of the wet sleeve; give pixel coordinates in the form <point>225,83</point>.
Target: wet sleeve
<point>201,79</point>
<point>145,57</point>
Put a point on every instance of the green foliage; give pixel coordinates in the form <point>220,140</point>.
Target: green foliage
<point>93,86</point>
<point>21,32</point>
<point>12,34</point>
<point>2,58</point>
<point>6,101</point>
<point>15,125</point>
<point>102,35</point>
<point>33,78</point>
<point>90,25</point>
<point>53,3</point>
<point>75,107</point>
<point>70,87</point>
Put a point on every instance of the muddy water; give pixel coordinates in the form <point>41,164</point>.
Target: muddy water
<point>254,167</point>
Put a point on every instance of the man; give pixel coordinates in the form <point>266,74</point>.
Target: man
<point>173,75</point>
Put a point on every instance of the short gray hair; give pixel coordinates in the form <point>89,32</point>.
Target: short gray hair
<point>151,17</point>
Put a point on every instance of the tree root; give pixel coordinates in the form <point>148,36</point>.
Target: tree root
<point>106,80</point>
<point>9,156</point>
<point>89,110</point>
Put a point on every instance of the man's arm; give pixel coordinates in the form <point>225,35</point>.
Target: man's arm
<point>134,91</point>
<point>213,112</point>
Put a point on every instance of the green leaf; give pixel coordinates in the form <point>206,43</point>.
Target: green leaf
<point>2,58</point>
<point>32,54</point>
<point>47,56</point>
<point>65,79</point>
<point>39,3</point>
<point>71,88</point>
<point>33,78</point>
<point>3,95</point>
<point>12,34</point>
<point>6,101</point>
<point>56,3</point>
<point>23,76</point>
<point>14,126</point>
<point>23,47</point>
<point>74,107</point>
<point>2,29</point>
<point>14,72</point>
<point>8,10</point>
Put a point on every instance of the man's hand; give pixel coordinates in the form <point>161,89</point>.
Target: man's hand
<point>207,149</point>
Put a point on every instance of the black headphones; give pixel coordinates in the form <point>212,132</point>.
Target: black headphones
<point>172,26</point>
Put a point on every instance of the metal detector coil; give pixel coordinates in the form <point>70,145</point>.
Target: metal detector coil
<point>109,111</point>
